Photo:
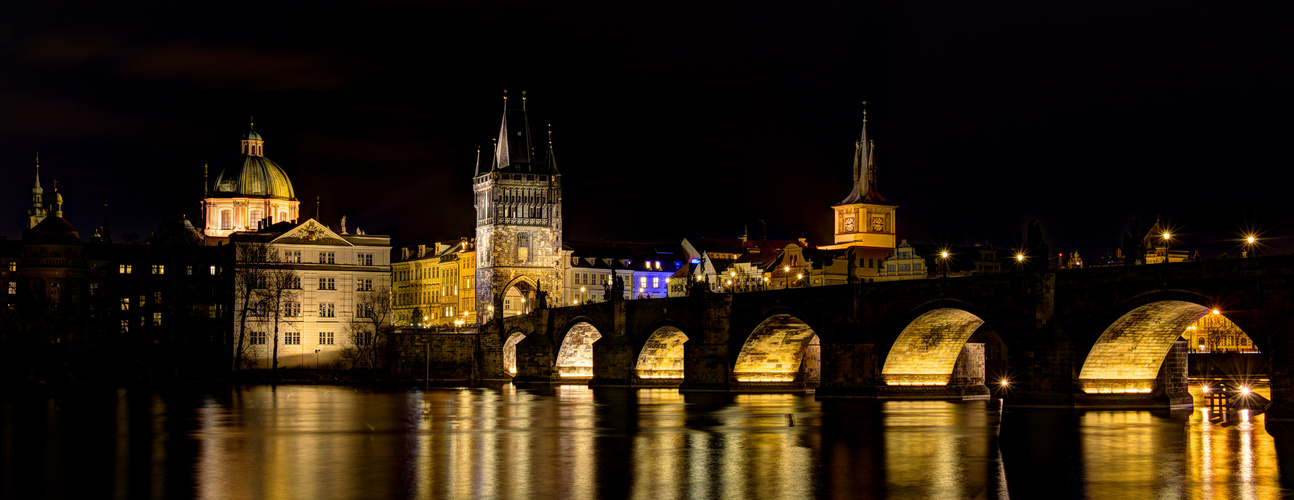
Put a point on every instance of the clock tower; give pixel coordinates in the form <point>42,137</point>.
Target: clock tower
<point>864,220</point>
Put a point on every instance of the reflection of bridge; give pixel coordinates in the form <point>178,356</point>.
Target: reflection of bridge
<point>1089,337</point>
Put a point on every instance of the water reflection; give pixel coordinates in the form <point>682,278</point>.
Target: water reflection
<point>572,442</point>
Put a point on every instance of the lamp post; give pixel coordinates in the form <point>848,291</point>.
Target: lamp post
<point>943,261</point>
<point>1168,238</point>
<point>1251,241</point>
<point>316,359</point>
<point>786,276</point>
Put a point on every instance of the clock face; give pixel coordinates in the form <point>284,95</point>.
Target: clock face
<point>849,223</point>
<point>878,223</point>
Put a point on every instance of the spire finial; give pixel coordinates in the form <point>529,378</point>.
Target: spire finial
<point>505,99</point>
<point>523,100</point>
<point>550,135</point>
<point>864,111</point>
<point>317,203</point>
<point>251,123</point>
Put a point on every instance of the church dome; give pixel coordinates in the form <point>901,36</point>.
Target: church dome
<point>254,177</point>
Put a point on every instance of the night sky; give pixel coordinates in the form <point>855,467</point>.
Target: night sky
<point>669,120</point>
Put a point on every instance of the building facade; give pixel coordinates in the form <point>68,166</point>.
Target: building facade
<point>335,289</point>
<point>433,286</point>
<point>518,200</point>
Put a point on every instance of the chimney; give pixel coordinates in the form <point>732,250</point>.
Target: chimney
<point>422,251</point>
<point>404,253</point>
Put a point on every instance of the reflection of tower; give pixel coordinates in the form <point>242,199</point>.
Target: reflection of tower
<point>36,213</point>
<point>518,200</point>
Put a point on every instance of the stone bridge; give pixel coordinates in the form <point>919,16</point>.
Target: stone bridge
<point>1097,337</point>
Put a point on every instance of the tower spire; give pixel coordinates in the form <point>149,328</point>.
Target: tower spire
<point>864,189</point>
<point>478,161</point>
<point>551,160</point>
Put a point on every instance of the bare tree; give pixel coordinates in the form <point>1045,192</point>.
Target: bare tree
<point>267,289</point>
<point>249,274</point>
<point>370,328</point>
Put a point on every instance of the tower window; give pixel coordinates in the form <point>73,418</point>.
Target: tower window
<point>226,219</point>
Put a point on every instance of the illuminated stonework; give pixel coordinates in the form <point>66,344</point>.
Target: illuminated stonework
<point>575,358</point>
<point>1127,356</point>
<point>662,356</point>
<point>774,351</point>
<point>510,352</point>
<point>927,349</point>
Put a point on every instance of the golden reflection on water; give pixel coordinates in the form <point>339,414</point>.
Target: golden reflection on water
<point>572,442</point>
<point>1196,454</point>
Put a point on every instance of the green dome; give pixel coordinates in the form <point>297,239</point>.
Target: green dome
<point>251,135</point>
<point>253,177</point>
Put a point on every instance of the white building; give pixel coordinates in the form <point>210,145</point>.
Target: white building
<point>342,282</point>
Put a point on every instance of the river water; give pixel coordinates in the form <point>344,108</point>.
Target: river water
<point>572,442</point>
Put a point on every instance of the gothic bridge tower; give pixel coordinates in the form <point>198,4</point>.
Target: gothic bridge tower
<point>518,199</point>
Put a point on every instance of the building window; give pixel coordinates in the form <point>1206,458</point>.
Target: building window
<point>256,218</point>
<point>226,219</point>
<point>642,281</point>
<point>13,288</point>
<point>188,270</point>
<point>292,338</point>
<point>325,338</point>
<point>125,326</point>
<point>292,256</point>
<point>292,309</point>
<point>13,266</point>
<point>123,269</point>
<point>159,269</point>
<point>258,338</point>
<point>655,282</point>
<point>327,310</point>
<point>327,257</point>
<point>364,285</point>
<point>157,319</point>
<point>213,270</point>
<point>157,297</point>
<point>364,311</point>
<point>363,338</point>
<point>327,284</point>
<point>125,303</point>
<point>364,259</point>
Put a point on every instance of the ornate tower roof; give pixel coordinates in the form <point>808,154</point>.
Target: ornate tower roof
<point>865,189</point>
<point>513,151</point>
<point>37,210</point>
<point>252,175</point>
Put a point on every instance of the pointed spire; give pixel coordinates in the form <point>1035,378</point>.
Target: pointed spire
<point>551,160</point>
<point>478,162</point>
<point>523,100</point>
<point>864,189</point>
<point>37,188</point>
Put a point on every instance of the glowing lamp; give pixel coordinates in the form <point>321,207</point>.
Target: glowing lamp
<point>1244,390</point>
<point>1167,235</point>
<point>1251,239</point>
<point>1216,312</point>
<point>1005,383</point>
<point>944,254</point>
<point>1205,388</point>
<point>786,269</point>
<point>1019,257</point>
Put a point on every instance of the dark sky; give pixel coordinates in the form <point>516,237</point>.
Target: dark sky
<point>670,119</point>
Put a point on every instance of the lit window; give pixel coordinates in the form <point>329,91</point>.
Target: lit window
<point>125,326</point>
<point>13,287</point>
<point>213,270</point>
<point>655,282</point>
<point>226,219</point>
<point>157,297</point>
<point>642,281</point>
<point>125,303</point>
<point>327,310</point>
<point>13,266</point>
<point>159,269</point>
<point>123,269</point>
<point>157,319</point>
<point>327,284</point>
<point>188,270</point>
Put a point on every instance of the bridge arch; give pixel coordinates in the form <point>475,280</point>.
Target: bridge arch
<point>575,356</point>
<point>944,343</point>
<point>1128,355</point>
<point>780,349</point>
<point>660,358</point>
<point>510,351</point>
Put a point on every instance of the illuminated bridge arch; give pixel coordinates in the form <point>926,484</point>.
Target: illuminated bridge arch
<point>1127,357</point>
<point>777,351</point>
<point>662,356</point>
<point>575,357</point>
<point>926,352</point>
<point>510,352</point>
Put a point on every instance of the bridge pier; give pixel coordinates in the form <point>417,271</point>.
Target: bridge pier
<point>850,370</point>
<point>613,362</point>
<point>536,359</point>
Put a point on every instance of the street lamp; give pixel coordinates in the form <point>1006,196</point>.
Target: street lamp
<point>1251,241</point>
<point>316,359</point>
<point>943,261</point>
<point>786,275</point>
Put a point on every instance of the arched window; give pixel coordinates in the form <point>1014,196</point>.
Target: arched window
<point>226,219</point>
